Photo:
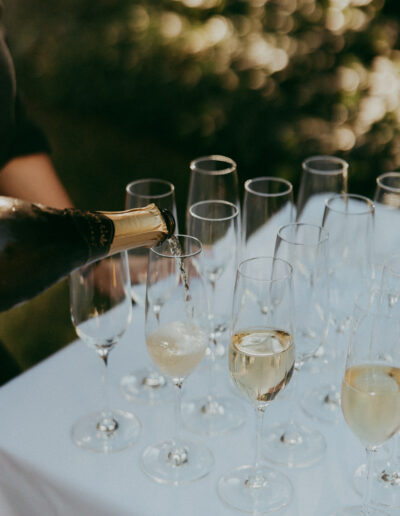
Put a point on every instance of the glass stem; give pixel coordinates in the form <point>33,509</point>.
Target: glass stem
<point>291,392</point>
<point>211,368</point>
<point>107,424</point>
<point>177,407</point>
<point>178,454</point>
<point>104,384</point>
<point>368,494</point>
<point>213,349</point>
<point>257,477</point>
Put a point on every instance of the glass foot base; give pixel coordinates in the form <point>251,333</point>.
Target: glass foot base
<point>213,416</point>
<point>106,435</point>
<point>177,462</point>
<point>146,386</point>
<point>357,510</point>
<point>270,491</point>
<point>323,404</point>
<point>386,483</point>
<point>293,445</point>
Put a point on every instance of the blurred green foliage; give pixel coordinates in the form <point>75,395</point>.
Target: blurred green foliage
<point>265,82</point>
<point>128,88</point>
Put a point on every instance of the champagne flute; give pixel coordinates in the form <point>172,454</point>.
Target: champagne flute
<point>215,223</point>
<point>322,177</point>
<point>101,310</point>
<point>305,247</point>
<point>386,474</point>
<point>147,384</point>
<point>371,385</point>
<point>261,363</point>
<point>176,342</point>
<point>349,219</point>
<point>387,215</point>
<point>268,204</point>
<point>212,177</point>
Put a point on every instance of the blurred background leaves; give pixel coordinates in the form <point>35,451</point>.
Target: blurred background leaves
<point>128,89</point>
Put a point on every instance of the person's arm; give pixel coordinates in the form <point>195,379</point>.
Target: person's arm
<point>33,178</point>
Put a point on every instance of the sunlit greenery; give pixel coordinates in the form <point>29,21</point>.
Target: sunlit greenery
<point>266,82</point>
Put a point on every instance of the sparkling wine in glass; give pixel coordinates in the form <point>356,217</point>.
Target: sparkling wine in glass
<point>261,363</point>
<point>101,309</point>
<point>268,205</point>
<point>370,393</point>
<point>349,220</point>
<point>322,177</point>
<point>215,224</point>
<point>386,473</point>
<point>305,247</point>
<point>176,342</point>
<point>147,384</point>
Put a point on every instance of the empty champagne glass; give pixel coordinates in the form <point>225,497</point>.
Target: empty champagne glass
<point>213,177</point>
<point>268,205</point>
<point>146,384</point>
<point>101,309</point>
<point>215,223</point>
<point>387,215</point>
<point>370,391</point>
<point>305,247</point>
<point>176,342</point>
<point>386,474</point>
<point>349,219</point>
<point>261,363</point>
<point>322,177</point>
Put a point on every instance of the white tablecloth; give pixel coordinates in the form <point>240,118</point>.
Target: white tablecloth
<point>43,473</point>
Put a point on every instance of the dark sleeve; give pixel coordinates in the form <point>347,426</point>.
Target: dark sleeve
<point>28,137</point>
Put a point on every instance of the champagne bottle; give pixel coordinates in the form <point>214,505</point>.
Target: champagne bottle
<point>40,245</point>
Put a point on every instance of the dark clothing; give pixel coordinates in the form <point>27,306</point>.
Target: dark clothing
<point>9,367</point>
<point>19,136</point>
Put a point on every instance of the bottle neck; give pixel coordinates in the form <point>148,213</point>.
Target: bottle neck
<point>138,227</point>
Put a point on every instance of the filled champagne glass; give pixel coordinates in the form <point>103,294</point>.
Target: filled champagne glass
<point>305,247</point>
<point>349,220</point>
<point>268,204</point>
<point>261,363</point>
<point>370,393</point>
<point>322,177</point>
<point>176,340</point>
<point>101,309</point>
<point>386,473</point>
<point>215,224</point>
<point>147,384</point>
